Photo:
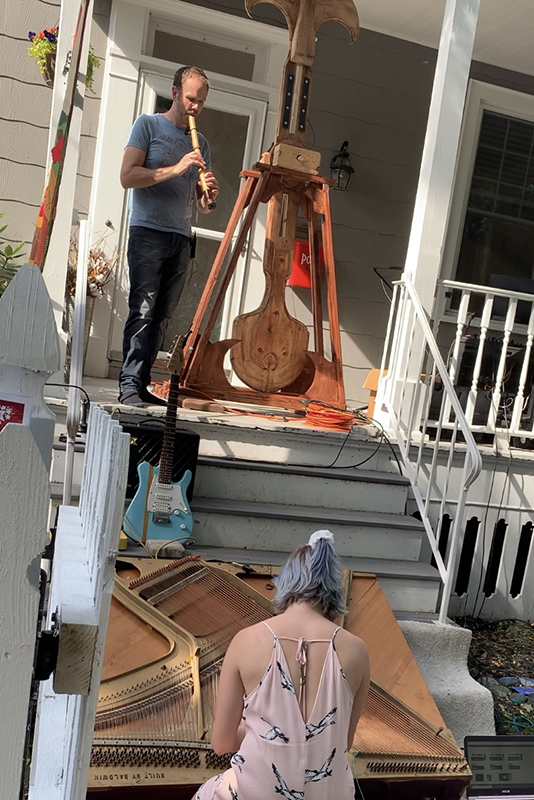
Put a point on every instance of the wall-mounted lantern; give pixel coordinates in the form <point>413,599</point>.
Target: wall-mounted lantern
<point>341,169</point>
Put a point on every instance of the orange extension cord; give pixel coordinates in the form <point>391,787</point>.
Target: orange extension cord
<point>323,415</point>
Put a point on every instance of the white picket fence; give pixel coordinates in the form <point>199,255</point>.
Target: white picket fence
<point>81,582</point>
<point>80,595</point>
<point>24,497</point>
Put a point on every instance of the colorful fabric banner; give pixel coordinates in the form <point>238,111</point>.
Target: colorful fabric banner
<point>47,209</point>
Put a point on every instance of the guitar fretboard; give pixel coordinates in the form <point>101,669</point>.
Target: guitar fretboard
<point>169,433</point>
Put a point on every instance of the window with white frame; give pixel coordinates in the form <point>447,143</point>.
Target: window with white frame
<point>491,228</point>
<point>498,230</point>
<point>214,50</point>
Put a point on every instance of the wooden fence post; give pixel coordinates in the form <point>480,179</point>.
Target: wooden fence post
<point>80,595</point>
<point>29,354</point>
<point>24,497</point>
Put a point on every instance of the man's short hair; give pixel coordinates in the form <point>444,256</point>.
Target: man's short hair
<point>184,73</point>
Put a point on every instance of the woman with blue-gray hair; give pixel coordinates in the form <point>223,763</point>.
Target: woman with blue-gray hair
<point>291,691</point>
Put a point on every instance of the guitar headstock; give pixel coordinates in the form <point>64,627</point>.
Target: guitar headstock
<point>175,361</point>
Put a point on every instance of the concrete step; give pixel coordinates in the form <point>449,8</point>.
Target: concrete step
<point>410,587</point>
<point>277,436</point>
<point>275,526</point>
<point>322,487</point>
<point>277,485</point>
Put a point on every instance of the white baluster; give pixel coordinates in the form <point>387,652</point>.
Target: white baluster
<point>497,389</point>
<point>455,356</point>
<point>473,392</point>
<point>520,397</point>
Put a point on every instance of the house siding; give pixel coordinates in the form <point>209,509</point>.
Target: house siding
<point>24,116</point>
<point>375,94</point>
<point>502,77</point>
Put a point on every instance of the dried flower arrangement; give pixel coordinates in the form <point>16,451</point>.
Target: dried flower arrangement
<point>99,269</point>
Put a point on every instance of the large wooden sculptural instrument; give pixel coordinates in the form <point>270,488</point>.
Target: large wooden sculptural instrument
<point>272,351</point>
<point>269,348</point>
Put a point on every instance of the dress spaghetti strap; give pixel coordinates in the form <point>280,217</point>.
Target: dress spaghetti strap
<point>267,624</point>
<point>301,638</point>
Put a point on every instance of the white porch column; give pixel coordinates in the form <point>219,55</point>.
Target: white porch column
<point>433,198</point>
<point>436,178</point>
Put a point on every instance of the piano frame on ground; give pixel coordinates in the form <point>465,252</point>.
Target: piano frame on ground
<point>169,630</point>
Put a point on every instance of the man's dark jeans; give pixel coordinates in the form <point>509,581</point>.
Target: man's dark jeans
<point>157,262</point>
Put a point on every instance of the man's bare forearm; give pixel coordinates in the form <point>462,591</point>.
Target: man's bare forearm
<point>136,176</point>
<point>140,177</point>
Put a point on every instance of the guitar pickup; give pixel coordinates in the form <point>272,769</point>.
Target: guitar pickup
<point>161,519</point>
<point>161,508</point>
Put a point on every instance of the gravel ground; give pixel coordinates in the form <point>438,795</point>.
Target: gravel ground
<point>502,658</point>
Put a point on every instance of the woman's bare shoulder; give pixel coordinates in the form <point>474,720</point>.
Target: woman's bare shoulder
<point>353,656</point>
<point>251,636</point>
<point>350,639</point>
<point>351,647</point>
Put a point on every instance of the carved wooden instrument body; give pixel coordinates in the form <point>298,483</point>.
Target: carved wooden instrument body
<point>273,345</point>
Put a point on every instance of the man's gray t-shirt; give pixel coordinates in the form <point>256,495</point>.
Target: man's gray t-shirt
<point>168,205</point>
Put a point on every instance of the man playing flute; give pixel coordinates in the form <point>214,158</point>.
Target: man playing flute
<point>162,169</point>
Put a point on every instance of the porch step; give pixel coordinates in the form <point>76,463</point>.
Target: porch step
<point>350,489</point>
<point>259,493</point>
<point>411,588</point>
<point>275,526</point>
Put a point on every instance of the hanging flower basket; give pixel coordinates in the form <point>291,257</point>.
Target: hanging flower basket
<point>43,49</point>
<point>50,69</point>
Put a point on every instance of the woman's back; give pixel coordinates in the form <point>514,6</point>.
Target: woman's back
<point>298,709</point>
<point>255,646</point>
<point>291,690</point>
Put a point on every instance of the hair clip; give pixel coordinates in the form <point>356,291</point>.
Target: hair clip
<point>314,538</point>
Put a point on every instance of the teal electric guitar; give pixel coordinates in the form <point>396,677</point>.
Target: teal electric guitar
<point>160,509</point>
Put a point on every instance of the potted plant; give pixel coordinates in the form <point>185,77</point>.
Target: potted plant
<point>43,49</point>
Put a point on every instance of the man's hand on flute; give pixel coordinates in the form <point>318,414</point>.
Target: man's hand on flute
<point>212,185</point>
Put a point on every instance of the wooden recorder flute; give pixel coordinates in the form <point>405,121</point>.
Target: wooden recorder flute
<point>210,202</point>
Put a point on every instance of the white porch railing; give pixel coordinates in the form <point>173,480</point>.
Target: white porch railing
<point>414,375</point>
<point>490,357</point>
